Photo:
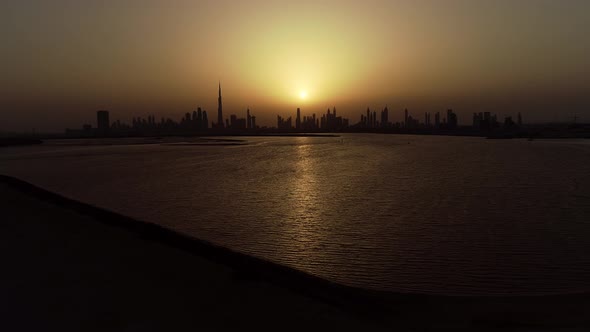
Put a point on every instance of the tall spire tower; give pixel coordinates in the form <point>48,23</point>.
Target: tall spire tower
<point>219,109</point>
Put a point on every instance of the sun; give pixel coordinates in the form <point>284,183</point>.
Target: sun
<point>303,94</point>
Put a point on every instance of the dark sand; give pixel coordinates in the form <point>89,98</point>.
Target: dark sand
<point>67,266</point>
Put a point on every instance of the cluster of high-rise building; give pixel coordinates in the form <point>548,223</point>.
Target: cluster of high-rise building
<point>194,122</point>
<point>327,122</point>
<point>486,121</point>
<point>284,124</point>
<point>370,121</point>
<point>332,122</point>
<point>235,123</point>
<point>198,121</point>
<point>309,123</point>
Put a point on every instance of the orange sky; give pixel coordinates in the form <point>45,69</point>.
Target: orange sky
<point>63,60</point>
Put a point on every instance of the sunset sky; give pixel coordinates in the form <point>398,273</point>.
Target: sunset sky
<point>63,60</point>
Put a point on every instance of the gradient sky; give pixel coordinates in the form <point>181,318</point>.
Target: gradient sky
<point>63,60</point>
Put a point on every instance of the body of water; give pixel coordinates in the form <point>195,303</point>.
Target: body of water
<point>423,214</point>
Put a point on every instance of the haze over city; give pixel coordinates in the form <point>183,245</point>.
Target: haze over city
<point>63,60</point>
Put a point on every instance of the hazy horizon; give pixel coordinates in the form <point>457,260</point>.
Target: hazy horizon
<point>64,60</point>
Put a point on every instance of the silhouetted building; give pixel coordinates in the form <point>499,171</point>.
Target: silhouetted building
<point>199,122</point>
<point>406,117</point>
<point>330,121</point>
<point>186,123</point>
<point>477,118</point>
<point>485,121</point>
<point>205,122</point>
<point>103,124</point>
<point>452,121</point>
<point>509,123</point>
<point>219,109</point>
<point>248,119</point>
<point>237,123</point>
<point>298,119</point>
<point>427,120</point>
<point>385,117</point>
<point>409,121</point>
<point>283,124</point>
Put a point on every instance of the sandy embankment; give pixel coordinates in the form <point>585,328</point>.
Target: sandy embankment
<point>68,266</point>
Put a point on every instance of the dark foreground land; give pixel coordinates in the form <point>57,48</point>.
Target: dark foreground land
<point>9,141</point>
<point>67,266</point>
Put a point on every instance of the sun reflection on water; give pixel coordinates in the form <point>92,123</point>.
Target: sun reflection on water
<point>304,226</point>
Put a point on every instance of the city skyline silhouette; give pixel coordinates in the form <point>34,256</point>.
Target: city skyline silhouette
<point>483,123</point>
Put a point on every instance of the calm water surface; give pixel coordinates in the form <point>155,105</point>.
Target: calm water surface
<point>445,215</point>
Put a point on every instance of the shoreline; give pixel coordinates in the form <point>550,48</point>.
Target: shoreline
<point>19,141</point>
<point>212,139</point>
<point>248,266</point>
<point>390,309</point>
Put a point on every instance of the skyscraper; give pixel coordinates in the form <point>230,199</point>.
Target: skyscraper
<point>205,120</point>
<point>199,119</point>
<point>385,117</point>
<point>298,120</point>
<point>452,119</point>
<point>406,117</point>
<point>102,122</point>
<point>374,120</point>
<point>219,109</point>
<point>248,119</point>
